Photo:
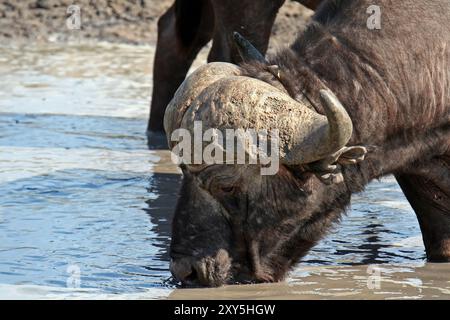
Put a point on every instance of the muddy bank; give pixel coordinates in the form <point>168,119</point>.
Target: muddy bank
<point>133,21</point>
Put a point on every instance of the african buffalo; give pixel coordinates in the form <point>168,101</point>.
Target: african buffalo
<point>352,104</point>
<point>188,25</point>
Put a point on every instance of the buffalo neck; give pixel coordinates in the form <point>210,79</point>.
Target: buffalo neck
<point>374,98</point>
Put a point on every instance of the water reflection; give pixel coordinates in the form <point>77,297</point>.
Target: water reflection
<point>161,209</point>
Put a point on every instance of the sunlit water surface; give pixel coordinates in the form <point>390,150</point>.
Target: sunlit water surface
<point>85,206</point>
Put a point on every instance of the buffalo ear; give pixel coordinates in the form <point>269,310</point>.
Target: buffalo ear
<point>328,171</point>
<point>352,155</point>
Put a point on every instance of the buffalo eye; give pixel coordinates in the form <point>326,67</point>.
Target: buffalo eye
<point>227,189</point>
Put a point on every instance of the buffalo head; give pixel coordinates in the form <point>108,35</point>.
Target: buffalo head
<point>232,224</point>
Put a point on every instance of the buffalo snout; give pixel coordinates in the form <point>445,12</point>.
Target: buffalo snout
<point>209,271</point>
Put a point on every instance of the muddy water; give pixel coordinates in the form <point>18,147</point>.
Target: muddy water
<point>85,207</point>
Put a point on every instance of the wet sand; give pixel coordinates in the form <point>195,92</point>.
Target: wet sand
<point>430,281</point>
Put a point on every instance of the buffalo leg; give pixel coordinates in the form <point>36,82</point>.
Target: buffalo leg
<point>182,31</point>
<point>428,191</point>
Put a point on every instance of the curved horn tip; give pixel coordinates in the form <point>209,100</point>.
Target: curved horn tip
<point>246,50</point>
<point>341,126</point>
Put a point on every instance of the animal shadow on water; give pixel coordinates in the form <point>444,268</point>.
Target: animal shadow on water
<point>377,244</point>
<point>160,210</point>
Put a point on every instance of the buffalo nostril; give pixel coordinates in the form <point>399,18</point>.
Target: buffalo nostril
<point>183,270</point>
